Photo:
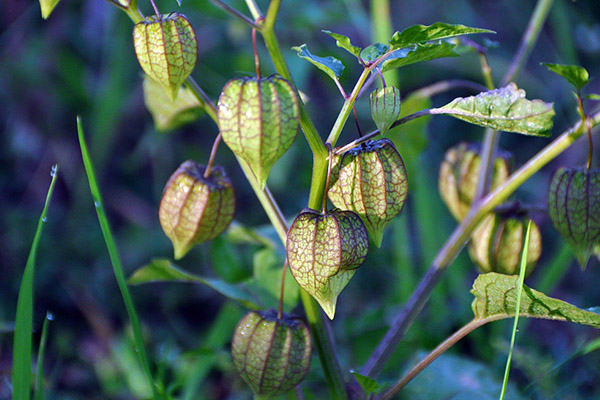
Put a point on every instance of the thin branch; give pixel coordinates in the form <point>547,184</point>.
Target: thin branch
<point>230,10</point>
<point>459,238</point>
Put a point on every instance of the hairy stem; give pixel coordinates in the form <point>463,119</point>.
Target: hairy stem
<point>232,11</point>
<point>460,236</point>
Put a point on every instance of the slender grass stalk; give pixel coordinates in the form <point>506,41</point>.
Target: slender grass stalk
<point>116,262</point>
<point>21,372</point>
<point>39,381</point>
<point>517,310</point>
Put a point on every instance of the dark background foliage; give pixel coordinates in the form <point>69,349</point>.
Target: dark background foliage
<point>81,62</point>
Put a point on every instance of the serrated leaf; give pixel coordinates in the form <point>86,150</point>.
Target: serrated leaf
<point>504,109</point>
<point>163,270</point>
<point>330,65</point>
<point>496,298</point>
<point>369,385</point>
<point>344,42</point>
<point>418,53</point>
<point>576,75</point>
<point>373,52</point>
<point>47,7</point>
<point>422,33</point>
<point>169,115</point>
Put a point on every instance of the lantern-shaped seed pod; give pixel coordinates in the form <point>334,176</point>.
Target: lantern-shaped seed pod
<point>574,207</point>
<point>195,209</point>
<point>258,119</point>
<point>385,107</point>
<point>370,180</point>
<point>459,176</point>
<point>271,354</point>
<point>497,243</point>
<point>323,251</point>
<point>166,49</point>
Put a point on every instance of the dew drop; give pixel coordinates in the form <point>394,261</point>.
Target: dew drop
<point>50,316</point>
<point>44,219</point>
<point>96,204</point>
<point>53,170</point>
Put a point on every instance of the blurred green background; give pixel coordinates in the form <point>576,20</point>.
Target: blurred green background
<point>81,62</point>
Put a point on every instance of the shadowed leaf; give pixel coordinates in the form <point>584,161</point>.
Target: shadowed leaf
<point>418,53</point>
<point>330,65</point>
<point>576,75</point>
<point>344,42</point>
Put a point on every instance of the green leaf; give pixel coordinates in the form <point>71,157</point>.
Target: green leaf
<point>418,53</point>
<point>163,270</point>
<point>39,381</point>
<point>266,283</point>
<point>369,385</point>
<point>422,33</point>
<point>496,298</point>
<point>167,114</point>
<point>47,7</point>
<point>373,52</point>
<point>576,75</point>
<point>504,109</point>
<point>21,372</point>
<point>330,65</point>
<point>344,42</point>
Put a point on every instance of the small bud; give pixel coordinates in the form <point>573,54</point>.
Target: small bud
<point>195,209</point>
<point>459,176</point>
<point>271,354</point>
<point>323,252</point>
<point>574,207</point>
<point>385,107</point>
<point>497,243</point>
<point>167,50</point>
<point>370,180</point>
<point>258,119</point>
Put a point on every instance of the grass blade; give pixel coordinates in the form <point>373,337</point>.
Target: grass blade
<point>21,373</point>
<point>116,261</point>
<point>517,310</point>
<point>39,381</point>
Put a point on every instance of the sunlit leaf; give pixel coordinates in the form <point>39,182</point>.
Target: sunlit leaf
<point>496,298</point>
<point>422,33</point>
<point>167,114</point>
<point>163,270</point>
<point>374,51</point>
<point>47,7</point>
<point>330,65</point>
<point>593,96</point>
<point>344,42</point>
<point>504,109</point>
<point>576,75</point>
<point>418,53</point>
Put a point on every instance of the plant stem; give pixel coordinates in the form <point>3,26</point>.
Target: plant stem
<point>530,36</point>
<point>227,8</point>
<point>213,153</point>
<point>381,26</point>
<point>254,10</point>
<point>432,356</point>
<point>158,16</point>
<point>460,236</point>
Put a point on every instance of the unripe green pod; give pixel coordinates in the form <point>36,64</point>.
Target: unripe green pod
<point>459,176</point>
<point>324,250</point>
<point>271,354</point>
<point>195,209</point>
<point>370,180</point>
<point>574,207</point>
<point>385,107</point>
<point>167,50</point>
<point>258,119</point>
<point>497,243</point>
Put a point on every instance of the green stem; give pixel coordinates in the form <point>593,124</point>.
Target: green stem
<point>116,262</point>
<point>228,9</point>
<point>460,236</point>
